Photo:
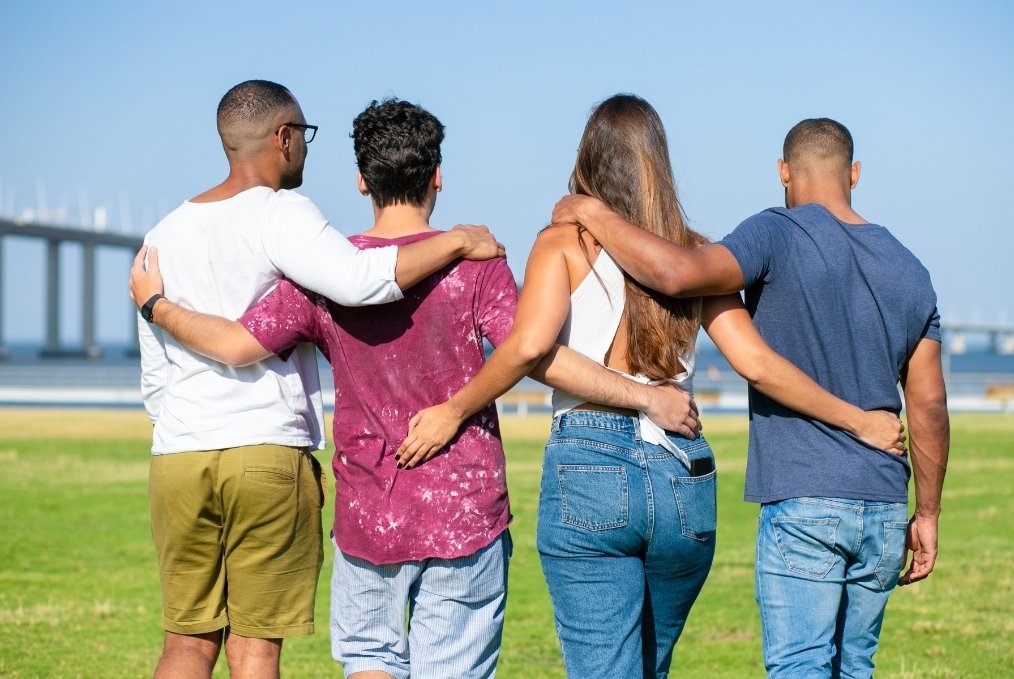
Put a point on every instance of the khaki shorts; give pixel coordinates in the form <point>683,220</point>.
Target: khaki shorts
<point>238,539</point>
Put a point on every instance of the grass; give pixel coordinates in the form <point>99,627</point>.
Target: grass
<point>79,593</point>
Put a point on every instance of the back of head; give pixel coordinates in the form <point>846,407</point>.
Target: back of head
<point>623,160</point>
<point>248,113</point>
<point>397,146</point>
<point>818,144</point>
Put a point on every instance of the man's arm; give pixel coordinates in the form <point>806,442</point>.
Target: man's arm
<point>653,261</point>
<point>418,260</point>
<point>217,338</point>
<point>310,252</point>
<point>930,438</point>
<point>727,323</point>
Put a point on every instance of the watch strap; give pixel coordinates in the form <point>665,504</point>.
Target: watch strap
<point>148,307</point>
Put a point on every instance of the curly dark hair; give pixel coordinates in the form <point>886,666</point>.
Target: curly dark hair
<point>397,148</point>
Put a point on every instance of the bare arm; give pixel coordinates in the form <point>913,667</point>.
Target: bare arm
<point>668,406</point>
<point>651,260</point>
<point>418,260</point>
<point>213,336</point>
<point>930,431</point>
<point>730,326</point>
<point>541,312</point>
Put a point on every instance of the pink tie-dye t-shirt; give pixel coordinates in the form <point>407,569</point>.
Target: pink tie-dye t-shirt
<point>389,362</point>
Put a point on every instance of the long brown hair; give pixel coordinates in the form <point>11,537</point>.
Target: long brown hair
<point>623,160</point>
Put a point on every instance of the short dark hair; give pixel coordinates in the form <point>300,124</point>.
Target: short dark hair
<point>818,139</point>
<point>251,101</point>
<point>397,148</point>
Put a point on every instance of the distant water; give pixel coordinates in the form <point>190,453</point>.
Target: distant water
<point>25,377</point>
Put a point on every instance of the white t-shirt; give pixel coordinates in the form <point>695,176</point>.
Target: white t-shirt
<point>220,258</point>
<point>596,308</point>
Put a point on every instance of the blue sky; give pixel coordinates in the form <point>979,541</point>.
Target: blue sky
<point>115,101</point>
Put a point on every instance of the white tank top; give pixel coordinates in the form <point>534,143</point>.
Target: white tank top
<point>596,307</point>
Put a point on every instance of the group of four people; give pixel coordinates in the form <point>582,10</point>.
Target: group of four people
<point>615,291</point>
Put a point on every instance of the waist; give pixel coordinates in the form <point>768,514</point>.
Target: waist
<point>600,408</point>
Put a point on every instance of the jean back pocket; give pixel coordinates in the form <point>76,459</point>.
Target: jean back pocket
<point>695,497</point>
<point>593,497</point>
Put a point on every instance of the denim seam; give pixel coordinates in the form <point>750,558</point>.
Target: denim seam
<point>648,495</point>
<point>586,443</point>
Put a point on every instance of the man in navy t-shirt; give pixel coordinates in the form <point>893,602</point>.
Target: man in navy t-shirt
<point>855,310</point>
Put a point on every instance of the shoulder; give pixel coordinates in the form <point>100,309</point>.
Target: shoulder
<point>564,239</point>
<point>292,203</point>
<point>756,230</point>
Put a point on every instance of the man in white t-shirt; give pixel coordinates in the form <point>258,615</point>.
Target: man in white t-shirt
<point>235,493</point>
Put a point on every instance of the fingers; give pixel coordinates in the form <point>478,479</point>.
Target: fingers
<point>920,569</point>
<point>418,453</point>
<point>411,448</point>
<point>691,426</point>
<point>136,269</point>
<point>686,432</point>
<point>139,259</point>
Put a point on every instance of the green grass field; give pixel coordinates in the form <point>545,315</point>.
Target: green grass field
<point>79,593</point>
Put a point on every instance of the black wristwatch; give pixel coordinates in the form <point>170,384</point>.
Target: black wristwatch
<point>149,306</point>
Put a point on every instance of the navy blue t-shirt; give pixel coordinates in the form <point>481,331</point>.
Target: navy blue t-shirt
<point>847,304</point>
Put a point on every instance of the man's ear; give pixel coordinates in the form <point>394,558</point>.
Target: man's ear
<point>854,176</point>
<point>783,172</point>
<point>283,140</point>
<point>437,182</point>
<point>361,184</point>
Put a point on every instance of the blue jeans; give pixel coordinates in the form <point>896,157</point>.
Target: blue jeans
<point>455,614</point>
<point>626,538</point>
<point>825,568</point>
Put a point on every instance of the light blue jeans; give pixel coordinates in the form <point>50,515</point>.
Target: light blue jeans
<point>626,538</point>
<point>825,568</point>
<point>455,614</point>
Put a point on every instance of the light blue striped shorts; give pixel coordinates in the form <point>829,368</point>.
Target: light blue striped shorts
<point>455,614</point>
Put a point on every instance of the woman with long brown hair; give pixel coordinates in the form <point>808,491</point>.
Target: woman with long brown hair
<point>627,519</point>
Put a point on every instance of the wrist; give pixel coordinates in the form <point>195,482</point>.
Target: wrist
<point>158,307</point>
<point>456,409</point>
<point>853,421</point>
<point>931,513</point>
<point>641,397</point>
<point>147,310</point>
<point>461,243</point>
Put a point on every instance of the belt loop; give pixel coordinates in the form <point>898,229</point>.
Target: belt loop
<point>637,427</point>
<point>555,428</point>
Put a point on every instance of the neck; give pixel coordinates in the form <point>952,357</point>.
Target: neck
<point>394,221</point>
<point>832,198</point>
<point>241,177</point>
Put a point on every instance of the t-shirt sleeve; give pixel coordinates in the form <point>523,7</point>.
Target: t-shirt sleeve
<point>754,244</point>
<point>283,319</point>
<point>932,330</point>
<point>301,244</point>
<point>497,301</point>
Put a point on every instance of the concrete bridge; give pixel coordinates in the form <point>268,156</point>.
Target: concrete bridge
<point>55,237</point>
